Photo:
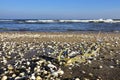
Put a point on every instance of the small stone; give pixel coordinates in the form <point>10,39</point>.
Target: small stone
<point>70,68</point>
<point>22,74</point>
<point>14,75</point>
<point>4,61</point>
<point>33,77</point>
<point>55,74</point>
<point>18,78</point>
<point>90,74</point>
<point>51,66</point>
<point>60,72</point>
<point>83,72</point>
<point>100,67</point>
<point>111,66</point>
<point>38,78</point>
<point>77,79</point>
<point>45,72</point>
<point>10,67</point>
<point>4,78</point>
<point>28,63</point>
<point>94,59</point>
<point>117,61</point>
<point>86,79</point>
<point>89,61</point>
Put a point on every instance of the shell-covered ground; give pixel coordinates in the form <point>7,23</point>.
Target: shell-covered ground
<point>59,56</point>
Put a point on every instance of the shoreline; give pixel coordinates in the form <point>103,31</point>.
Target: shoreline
<point>58,34</point>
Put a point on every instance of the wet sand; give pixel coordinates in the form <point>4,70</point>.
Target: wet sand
<point>64,56</point>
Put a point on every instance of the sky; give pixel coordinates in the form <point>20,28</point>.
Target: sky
<point>59,9</point>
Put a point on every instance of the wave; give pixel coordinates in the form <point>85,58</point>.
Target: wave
<point>38,21</point>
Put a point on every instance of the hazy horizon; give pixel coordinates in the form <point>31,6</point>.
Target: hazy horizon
<point>59,9</point>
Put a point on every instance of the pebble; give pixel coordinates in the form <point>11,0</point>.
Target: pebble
<point>111,66</point>
<point>4,78</point>
<point>14,75</point>
<point>61,72</point>
<point>117,61</point>
<point>100,67</point>
<point>77,79</point>
<point>86,79</point>
<point>33,77</point>
<point>22,74</point>
<point>18,78</point>
<point>51,66</point>
<point>38,78</point>
<point>89,61</point>
<point>90,74</point>
<point>10,67</point>
<point>83,72</point>
<point>55,74</point>
<point>28,63</point>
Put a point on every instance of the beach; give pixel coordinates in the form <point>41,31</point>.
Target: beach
<point>60,55</point>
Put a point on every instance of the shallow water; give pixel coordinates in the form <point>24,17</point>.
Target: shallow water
<point>21,25</point>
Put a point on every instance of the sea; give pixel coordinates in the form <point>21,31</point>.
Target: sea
<point>56,26</point>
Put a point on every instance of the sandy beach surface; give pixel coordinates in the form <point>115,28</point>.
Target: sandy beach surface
<point>60,56</point>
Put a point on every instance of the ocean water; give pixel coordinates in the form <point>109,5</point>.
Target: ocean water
<point>56,26</point>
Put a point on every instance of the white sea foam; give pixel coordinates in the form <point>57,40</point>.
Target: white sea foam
<point>66,21</point>
<point>6,20</point>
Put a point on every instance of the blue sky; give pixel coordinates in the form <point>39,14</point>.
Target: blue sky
<point>60,9</point>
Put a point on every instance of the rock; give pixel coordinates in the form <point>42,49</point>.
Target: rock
<point>100,67</point>
<point>89,61</point>
<point>33,77</point>
<point>52,67</point>
<point>14,75</point>
<point>28,63</point>
<point>22,74</point>
<point>86,79</point>
<point>60,72</point>
<point>77,79</point>
<point>55,74</point>
<point>111,66</point>
<point>90,74</point>
<point>38,78</point>
<point>4,78</point>
<point>10,67</point>
<point>4,60</point>
<point>83,72</point>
